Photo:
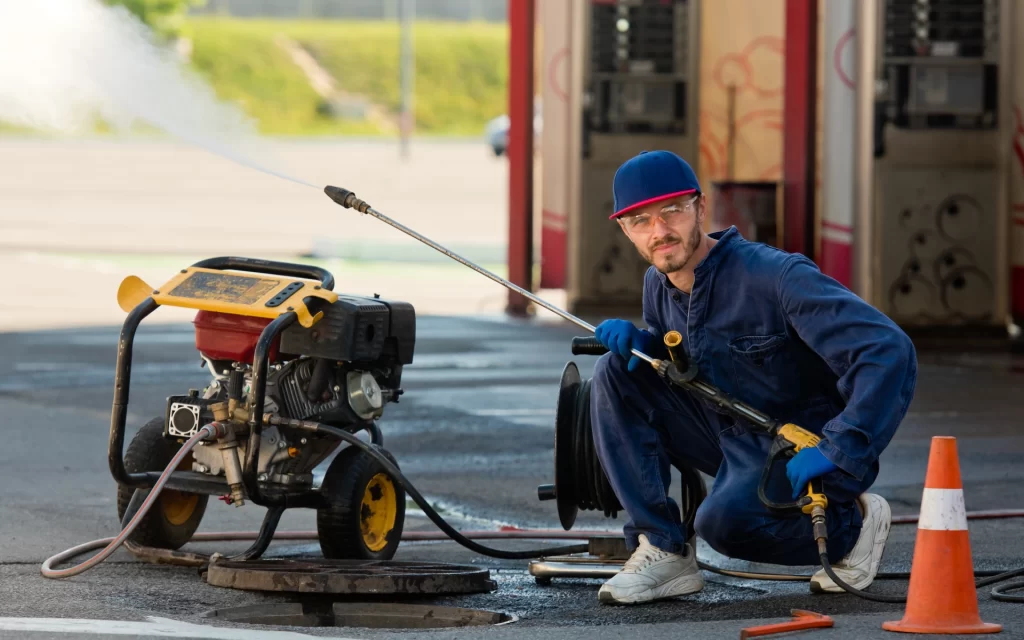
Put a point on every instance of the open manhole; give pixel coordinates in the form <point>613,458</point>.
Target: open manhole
<point>361,614</point>
<point>352,577</point>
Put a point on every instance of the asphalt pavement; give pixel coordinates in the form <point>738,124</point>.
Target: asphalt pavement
<point>474,432</point>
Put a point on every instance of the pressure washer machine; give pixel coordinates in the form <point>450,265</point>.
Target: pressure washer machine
<point>282,347</point>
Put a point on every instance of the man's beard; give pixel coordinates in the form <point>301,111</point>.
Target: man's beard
<point>675,262</point>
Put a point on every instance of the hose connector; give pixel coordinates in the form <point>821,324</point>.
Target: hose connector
<point>217,430</point>
<point>228,445</point>
<point>819,529</point>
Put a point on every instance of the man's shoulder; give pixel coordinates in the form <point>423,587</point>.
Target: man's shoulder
<point>760,259</point>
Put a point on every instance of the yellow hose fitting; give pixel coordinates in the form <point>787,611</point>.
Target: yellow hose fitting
<point>672,341</point>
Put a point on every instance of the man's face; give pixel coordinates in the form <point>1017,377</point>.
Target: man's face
<point>667,233</point>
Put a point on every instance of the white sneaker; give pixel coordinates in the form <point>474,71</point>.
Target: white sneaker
<point>653,574</point>
<point>859,567</point>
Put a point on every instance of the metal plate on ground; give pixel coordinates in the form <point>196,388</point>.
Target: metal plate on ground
<point>372,615</point>
<point>355,577</point>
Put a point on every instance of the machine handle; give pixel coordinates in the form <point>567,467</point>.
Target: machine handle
<point>255,265</point>
<point>588,346</point>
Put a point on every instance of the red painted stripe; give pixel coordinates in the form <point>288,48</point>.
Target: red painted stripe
<point>552,258</point>
<point>800,82</point>
<point>1018,206</point>
<point>836,225</point>
<point>553,248</point>
<point>837,260</point>
<point>520,151</point>
<point>1017,291</point>
<point>1019,221</point>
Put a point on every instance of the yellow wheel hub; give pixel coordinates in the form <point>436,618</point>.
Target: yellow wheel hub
<point>378,511</point>
<point>176,506</point>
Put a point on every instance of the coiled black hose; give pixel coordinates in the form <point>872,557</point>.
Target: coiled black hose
<point>593,491</point>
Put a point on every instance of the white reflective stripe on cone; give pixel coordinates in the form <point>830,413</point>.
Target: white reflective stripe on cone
<point>943,510</point>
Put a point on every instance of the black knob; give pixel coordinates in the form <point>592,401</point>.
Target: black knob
<point>546,492</point>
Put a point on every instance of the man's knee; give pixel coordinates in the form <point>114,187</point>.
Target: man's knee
<point>728,529</point>
<point>607,390</point>
<point>609,372</point>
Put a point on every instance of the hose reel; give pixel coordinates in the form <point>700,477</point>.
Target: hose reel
<point>580,481</point>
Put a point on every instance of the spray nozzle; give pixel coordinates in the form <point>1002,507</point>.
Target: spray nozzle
<point>346,198</point>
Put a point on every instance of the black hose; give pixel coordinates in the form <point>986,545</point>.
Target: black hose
<point>999,593</point>
<point>270,521</point>
<point>593,491</point>
<point>998,577</point>
<point>436,518</point>
<point>988,577</point>
<point>827,566</point>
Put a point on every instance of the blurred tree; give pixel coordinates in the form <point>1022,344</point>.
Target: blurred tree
<point>165,17</point>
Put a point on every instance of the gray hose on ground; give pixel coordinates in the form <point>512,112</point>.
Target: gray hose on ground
<point>208,431</point>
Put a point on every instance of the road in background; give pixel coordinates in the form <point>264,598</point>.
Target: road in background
<point>78,216</point>
<point>132,196</point>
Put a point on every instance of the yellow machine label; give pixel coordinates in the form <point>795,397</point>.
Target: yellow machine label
<point>226,292</point>
<point>225,287</point>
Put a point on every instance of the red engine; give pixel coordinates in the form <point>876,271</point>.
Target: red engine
<point>226,336</point>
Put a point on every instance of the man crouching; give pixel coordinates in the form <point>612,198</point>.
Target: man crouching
<point>766,327</point>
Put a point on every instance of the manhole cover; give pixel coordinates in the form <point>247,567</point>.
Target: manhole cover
<point>350,577</point>
<point>366,615</point>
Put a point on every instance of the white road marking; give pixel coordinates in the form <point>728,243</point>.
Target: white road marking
<point>162,627</point>
<point>943,510</point>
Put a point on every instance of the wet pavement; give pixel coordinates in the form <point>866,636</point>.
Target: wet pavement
<point>474,432</point>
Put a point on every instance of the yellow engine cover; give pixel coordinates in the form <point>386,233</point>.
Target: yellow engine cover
<point>244,294</point>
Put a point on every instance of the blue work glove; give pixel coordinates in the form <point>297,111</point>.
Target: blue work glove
<point>621,336</point>
<point>805,466</point>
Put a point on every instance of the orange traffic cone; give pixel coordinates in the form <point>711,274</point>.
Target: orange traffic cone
<point>942,597</point>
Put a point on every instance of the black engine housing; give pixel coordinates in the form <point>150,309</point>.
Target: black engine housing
<point>358,330</point>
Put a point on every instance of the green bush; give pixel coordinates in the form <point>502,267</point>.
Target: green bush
<point>244,66</point>
<point>461,69</point>
<point>460,84</point>
<point>166,17</point>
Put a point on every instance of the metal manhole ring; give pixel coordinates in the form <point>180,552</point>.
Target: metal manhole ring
<point>350,576</point>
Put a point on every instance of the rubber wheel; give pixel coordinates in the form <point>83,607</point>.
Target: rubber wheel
<point>366,508</point>
<point>176,515</point>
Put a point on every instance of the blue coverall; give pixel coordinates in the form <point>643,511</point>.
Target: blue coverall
<point>768,328</point>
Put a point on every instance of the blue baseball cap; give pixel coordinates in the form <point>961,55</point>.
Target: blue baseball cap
<point>651,176</point>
